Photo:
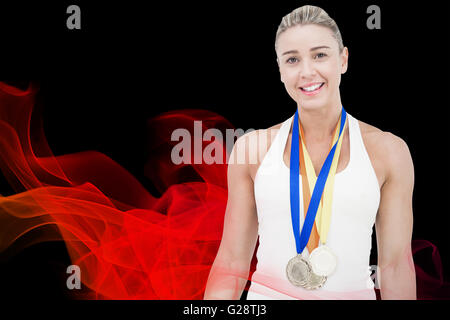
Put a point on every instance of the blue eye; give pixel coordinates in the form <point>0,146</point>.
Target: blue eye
<point>321,55</point>
<point>290,59</point>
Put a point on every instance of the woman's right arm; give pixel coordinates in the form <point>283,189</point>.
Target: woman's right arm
<point>229,272</point>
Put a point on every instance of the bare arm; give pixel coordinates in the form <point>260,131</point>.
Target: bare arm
<point>230,269</point>
<point>396,273</point>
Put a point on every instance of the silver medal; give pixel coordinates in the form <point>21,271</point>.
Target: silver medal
<point>300,273</point>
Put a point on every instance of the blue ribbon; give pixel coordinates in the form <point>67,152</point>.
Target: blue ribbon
<point>301,238</point>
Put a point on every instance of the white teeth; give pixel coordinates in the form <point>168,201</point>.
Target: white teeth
<point>312,88</point>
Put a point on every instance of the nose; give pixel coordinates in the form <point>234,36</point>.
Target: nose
<point>307,69</point>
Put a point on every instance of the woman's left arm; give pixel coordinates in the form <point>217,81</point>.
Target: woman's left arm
<point>394,223</point>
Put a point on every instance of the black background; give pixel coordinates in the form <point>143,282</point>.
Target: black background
<point>131,61</point>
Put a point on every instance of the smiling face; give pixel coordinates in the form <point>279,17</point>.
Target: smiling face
<point>311,65</point>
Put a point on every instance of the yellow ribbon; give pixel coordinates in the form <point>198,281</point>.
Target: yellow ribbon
<point>323,216</point>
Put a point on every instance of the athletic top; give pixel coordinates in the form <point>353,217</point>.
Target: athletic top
<point>355,204</point>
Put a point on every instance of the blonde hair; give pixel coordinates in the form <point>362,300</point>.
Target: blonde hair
<point>309,15</point>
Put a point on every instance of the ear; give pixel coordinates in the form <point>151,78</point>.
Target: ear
<point>344,60</point>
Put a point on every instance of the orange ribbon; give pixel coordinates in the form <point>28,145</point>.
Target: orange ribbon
<point>313,241</point>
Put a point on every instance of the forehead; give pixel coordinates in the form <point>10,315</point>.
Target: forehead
<point>303,37</point>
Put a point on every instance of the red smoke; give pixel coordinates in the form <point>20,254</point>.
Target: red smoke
<point>127,243</point>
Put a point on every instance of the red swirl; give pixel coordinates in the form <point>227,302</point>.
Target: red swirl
<point>128,243</point>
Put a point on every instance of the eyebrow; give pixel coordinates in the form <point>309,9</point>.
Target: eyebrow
<point>312,49</point>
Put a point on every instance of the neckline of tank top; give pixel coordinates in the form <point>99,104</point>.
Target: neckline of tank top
<point>350,130</point>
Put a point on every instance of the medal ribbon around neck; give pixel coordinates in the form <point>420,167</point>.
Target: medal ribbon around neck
<point>306,188</point>
<point>301,238</point>
<point>307,170</point>
<point>323,218</point>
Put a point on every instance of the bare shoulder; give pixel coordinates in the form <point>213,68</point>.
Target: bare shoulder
<point>251,147</point>
<point>388,150</point>
<point>369,130</point>
<point>261,138</point>
<point>384,141</point>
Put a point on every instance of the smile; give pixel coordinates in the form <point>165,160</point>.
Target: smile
<point>312,90</point>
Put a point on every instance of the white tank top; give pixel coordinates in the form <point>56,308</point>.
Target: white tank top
<point>355,204</point>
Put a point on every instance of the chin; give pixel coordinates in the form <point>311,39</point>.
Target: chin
<point>312,104</point>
